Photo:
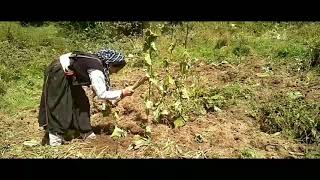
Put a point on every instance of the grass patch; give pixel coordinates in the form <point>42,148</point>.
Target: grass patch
<point>222,98</point>
<point>293,115</point>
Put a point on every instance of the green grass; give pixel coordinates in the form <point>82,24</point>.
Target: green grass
<point>249,153</point>
<point>28,50</point>
<point>23,95</point>
<point>293,115</point>
<point>224,97</point>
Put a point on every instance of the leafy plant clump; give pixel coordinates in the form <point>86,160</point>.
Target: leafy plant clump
<point>292,114</point>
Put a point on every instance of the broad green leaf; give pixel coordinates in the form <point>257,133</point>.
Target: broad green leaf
<point>148,75</point>
<point>161,88</point>
<point>177,106</point>
<point>179,122</point>
<point>185,93</point>
<point>150,37</point>
<point>148,59</point>
<point>168,80</point>
<point>249,153</point>
<point>295,95</point>
<point>185,118</point>
<point>148,129</point>
<point>153,81</point>
<point>267,69</point>
<point>153,45</point>
<point>138,142</point>
<point>224,62</point>
<point>172,46</point>
<point>116,115</point>
<point>118,133</point>
<point>160,26</point>
<point>203,111</point>
<point>217,97</point>
<point>216,109</point>
<point>314,132</point>
<point>184,67</point>
<point>148,32</point>
<point>149,104</point>
<point>153,36</point>
<point>276,134</point>
<point>31,143</point>
<point>157,114</point>
<point>156,83</point>
<point>171,80</point>
<point>146,47</point>
<point>186,53</point>
<point>165,112</point>
<point>157,104</point>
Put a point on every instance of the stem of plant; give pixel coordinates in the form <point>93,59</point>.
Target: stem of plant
<point>151,76</point>
<point>186,38</point>
<point>150,73</point>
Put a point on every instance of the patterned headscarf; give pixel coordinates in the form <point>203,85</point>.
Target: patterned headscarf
<point>110,57</point>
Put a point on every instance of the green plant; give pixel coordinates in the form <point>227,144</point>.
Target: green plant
<point>241,48</point>
<point>32,23</point>
<point>129,28</point>
<point>314,54</point>
<point>3,88</point>
<point>216,99</point>
<point>149,48</point>
<point>221,43</point>
<point>181,95</point>
<point>169,27</point>
<point>250,154</point>
<point>169,102</point>
<point>292,114</point>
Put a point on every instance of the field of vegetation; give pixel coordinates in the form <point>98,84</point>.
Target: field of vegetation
<point>215,90</point>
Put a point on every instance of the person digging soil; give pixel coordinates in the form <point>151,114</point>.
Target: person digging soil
<point>64,104</point>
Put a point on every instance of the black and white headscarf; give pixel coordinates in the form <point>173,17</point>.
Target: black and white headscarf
<point>110,57</point>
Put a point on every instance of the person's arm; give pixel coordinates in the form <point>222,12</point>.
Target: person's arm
<point>99,86</point>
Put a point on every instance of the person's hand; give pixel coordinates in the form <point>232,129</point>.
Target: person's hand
<point>128,91</point>
<point>68,73</point>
